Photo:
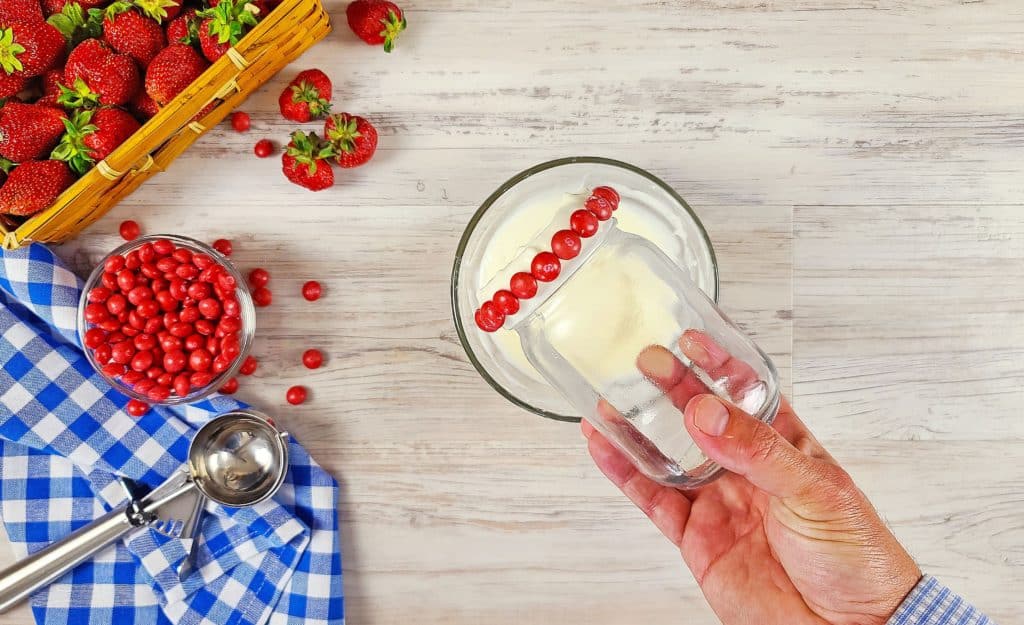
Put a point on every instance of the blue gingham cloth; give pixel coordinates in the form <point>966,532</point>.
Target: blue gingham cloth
<point>64,442</point>
<point>931,603</point>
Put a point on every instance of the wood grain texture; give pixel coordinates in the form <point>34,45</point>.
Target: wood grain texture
<point>883,124</point>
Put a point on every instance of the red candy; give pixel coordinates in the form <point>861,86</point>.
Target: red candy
<point>248,366</point>
<point>296,395</point>
<point>584,223</point>
<point>489,317</point>
<point>311,290</point>
<point>240,121</point>
<point>136,408</point>
<point>566,244</point>
<point>312,358</point>
<point>164,320</point>
<point>262,297</point>
<point>545,267</point>
<point>264,148</point>
<point>259,277</point>
<point>506,302</point>
<point>129,230</point>
<point>523,285</point>
<point>601,207</point>
<point>609,194</point>
<point>230,386</point>
<point>223,246</point>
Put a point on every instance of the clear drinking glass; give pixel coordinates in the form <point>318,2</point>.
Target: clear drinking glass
<point>627,338</point>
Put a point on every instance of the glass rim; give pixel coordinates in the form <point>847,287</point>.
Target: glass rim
<point>486,205</point>
<point>244,299</point>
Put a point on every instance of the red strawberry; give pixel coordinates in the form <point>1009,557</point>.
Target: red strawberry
<point>76,24</point>
<point>172,70</point>
<point>92,135</point>
<point>184,28</point>
<point>11,84</point>
<point>160,10</point>
<point>376,22</point>
<point>51,88</point>
<point>143,106</point>
<point>353,138</point>
<point>29,48</point>
<point>113,78</point>
<point>33,186</point>
<point>224,25</point>
<point>28,132</point>
<point>130,32</point>
<point>20,11</point>
<point>305,161</point>
<point>307,97</point>
<point>56,6</point>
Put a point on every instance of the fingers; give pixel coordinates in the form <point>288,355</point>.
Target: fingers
<point>665,371</point>
<point>668,508</point>
<point>750,448</point>
<point>705,353</point>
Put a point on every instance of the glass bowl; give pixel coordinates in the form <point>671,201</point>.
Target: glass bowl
<point>247,316</point>
<point>523,208</point>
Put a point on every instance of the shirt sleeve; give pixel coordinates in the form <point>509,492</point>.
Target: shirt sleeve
<point>931,603</point>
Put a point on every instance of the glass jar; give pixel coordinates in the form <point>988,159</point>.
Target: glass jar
<point>627,338</point>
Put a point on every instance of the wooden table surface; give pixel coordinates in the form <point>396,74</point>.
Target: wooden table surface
<point>858,165</point>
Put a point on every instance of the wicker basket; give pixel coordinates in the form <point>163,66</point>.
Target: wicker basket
<point>276,41</point>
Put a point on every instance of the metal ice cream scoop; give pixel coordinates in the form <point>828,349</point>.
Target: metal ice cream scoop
<point>237,459</point>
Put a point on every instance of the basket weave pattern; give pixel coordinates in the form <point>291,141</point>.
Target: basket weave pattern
<point>283,35</point>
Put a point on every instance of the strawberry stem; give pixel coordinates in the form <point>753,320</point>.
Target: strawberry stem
<point>75,25</point>
<point>393,26</point>
<point>230,19</point>
<point>9,51</point>
<point>72,149</point>
<point>156,9</point>
<point>79,96</point>
<point>344,133</point>
<point>305,92</point>
<point>309,149</point>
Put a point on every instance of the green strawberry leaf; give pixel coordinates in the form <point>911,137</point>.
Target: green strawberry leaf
<point>78,96</point>
<point>230,20</point>
<point>392,28</point>
<point>9,51</point>
<point>6,166</point>
<point>72,149</point>
<point>344,134</point>
<point>156,9</point>
<point>305,92</point>
<point>117,8</point>
<point>309,149</point>
<point>76,24</point>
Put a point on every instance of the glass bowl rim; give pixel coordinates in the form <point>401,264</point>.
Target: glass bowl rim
<point>486,205</point>
<point>247,334</point>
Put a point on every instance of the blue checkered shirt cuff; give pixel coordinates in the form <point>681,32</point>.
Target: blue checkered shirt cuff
<point>931,603</point>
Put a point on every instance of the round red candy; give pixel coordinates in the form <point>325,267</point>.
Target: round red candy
<point>223,246</point>
<point>259,277</point>
<point>523,285</point>
<point>94,337</point>
<point>129,230</point>
<point>545,267</point>
<point>264,148</point>
<point>312,290</point>
<point>200,360</point>
<point>506,302</point>
<point>609,194</point>
<point>240,121</point>
<point>566,244</point>
<point>296,395</point>
<point>248,366</point>
<point>136,408</point>
<point>584,223</point>
<point>312,358</point>
<point>489,317</point>
<point>230,386</point>
<point>262,296</point>
<point>601,207</point>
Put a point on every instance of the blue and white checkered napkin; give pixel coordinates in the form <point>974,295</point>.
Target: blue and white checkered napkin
<point>65,439</point>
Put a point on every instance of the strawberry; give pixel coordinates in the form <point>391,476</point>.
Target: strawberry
<point>224,25</point>
<point>172,70</point>
<point>305,161</point>
<point>52,7</point>
<point>50,83</point>
<point>353,138</point>
<point>92,135</point>
<point>76,24</point>
<point>143,106</point>
<point>112,78</point>
<point>376,22</point>
<point>28,131</point>
<point>33,186</point>
<point>29,48</point>
<point>11,84</point>
<point>307,97</point>
<point>160,10</point>
<point>130,32</point>
<point>184,28</point>
<point>20,11</point>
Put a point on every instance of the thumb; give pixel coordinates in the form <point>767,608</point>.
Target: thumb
<point>750,448</point>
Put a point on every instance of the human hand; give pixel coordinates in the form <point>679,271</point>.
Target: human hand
<point>785,537</point>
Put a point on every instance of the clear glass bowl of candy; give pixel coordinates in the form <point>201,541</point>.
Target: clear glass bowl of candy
<point>166,319</point>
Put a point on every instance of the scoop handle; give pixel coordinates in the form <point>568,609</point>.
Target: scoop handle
<point>51,562</point>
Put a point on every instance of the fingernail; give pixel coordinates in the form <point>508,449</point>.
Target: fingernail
<point>657,362</point>
<point>710,416</point>
<point>695,351</point>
